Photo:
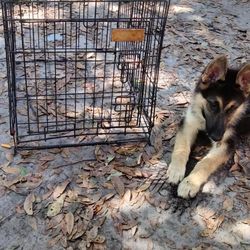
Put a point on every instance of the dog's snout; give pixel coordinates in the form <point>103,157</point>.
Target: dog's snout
<point>216,137</point>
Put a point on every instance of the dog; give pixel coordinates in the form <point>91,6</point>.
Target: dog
<point>220,108</point>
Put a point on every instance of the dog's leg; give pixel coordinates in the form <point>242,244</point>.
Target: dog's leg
<point>217,156</point>
<point>183,143</point>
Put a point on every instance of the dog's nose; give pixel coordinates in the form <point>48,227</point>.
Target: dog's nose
<point>216,137</point>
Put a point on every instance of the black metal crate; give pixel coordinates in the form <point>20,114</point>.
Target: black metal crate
<point>82,72</point>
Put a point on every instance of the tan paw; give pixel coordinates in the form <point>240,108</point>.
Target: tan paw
<point>175,173</point>
<point>188,188</point>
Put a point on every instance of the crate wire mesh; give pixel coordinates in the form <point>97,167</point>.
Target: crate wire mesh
<point>70,81</point>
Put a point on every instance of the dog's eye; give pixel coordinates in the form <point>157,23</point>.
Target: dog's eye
<point>214,106</point>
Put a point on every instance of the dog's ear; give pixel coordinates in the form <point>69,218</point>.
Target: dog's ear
<point>243,79</point>
<point>215,70</point>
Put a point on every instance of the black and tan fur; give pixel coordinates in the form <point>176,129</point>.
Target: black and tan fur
<point>219,105</point>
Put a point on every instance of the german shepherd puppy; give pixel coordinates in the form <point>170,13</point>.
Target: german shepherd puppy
<point>219,105</point>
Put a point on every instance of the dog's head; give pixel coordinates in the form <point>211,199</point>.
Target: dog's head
<point>226,93</point>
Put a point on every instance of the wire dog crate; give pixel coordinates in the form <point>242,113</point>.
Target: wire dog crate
<point>82,72</point>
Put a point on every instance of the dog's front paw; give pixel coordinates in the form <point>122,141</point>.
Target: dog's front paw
<point>188,188</point>
<point>175,173</point>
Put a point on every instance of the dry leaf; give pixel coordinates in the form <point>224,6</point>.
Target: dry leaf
<point>69,218</point>
<point>118,185</point>
<point>5,145</point>
<point>47,158</point>
<point>9,156</point>
<point>80,65</point>
<point>212,225</point>
<point>55,208</point>
<point>8,184</point>
<point>28,204</point>
<point>144,187</point>
<point>56,220</point>
<point>91,235</point>
<point>228,204</point>
<point>156,137</point>
<point>53,241</point>
<point>60,189</point>
<point>47,195</point>
<point>11,170</point>
<point>127,196</point>
<point>82,245</point>
<point>32,222</point>
<point>99,239</point>
<point>89,213</point>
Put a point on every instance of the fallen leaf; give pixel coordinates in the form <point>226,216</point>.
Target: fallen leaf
<point>104,153</point>
<point>46,195</point>
<point>144,187</point>
<point>228,204</point>
<point>28,204</point>
<point>11,170</point>
<point>47,158</point>
<point>89,213</point>
<point>127,196</point>
<point>54,221</point>
<point>82,245</point>
<point>69,218</point>
<point>91,235</point>
<point>6,145</point>
<point>55,208</point>
<point>52,242</point>
<point>60,189</point>
<point>32,222</point>
<point>10,183</point>
<point>99,239</point>
<point>156,137</point>
<point>118,185</point>
<point>212,225</point>
<point>9,156</point>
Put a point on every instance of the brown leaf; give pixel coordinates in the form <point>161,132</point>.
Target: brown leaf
<point>156,137</point>
<point>47,158</point>
<point>10,183</point>
<point>9,155</point>
<point>212,225</point>
<point>28,204</point>
<point>104,153</point>
<point>80,65</point>
<point>6,145</point>
<point>99,239</point>
<point>32,222</point>
<point>47,195</point>
<point>55,208</point>
<point>54,221</point>
<point>129,225</point>
<point>82,245</point>
<point>127,196</point>
<point>144,187</point>
<point>118,185</point>
<point>60,189</point>
<point>89,213</point>
<point>52,242</point>
<point>92,234</point>
<point>11,170</point>
<point>228,204</point>
<point>69,218</point>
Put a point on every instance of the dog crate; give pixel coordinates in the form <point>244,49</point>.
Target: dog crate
<point>82,72</point>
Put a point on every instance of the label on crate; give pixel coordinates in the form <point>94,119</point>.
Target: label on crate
<point>128,35</point>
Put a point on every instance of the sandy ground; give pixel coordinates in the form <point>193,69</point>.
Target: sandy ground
<point>218,218</point>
